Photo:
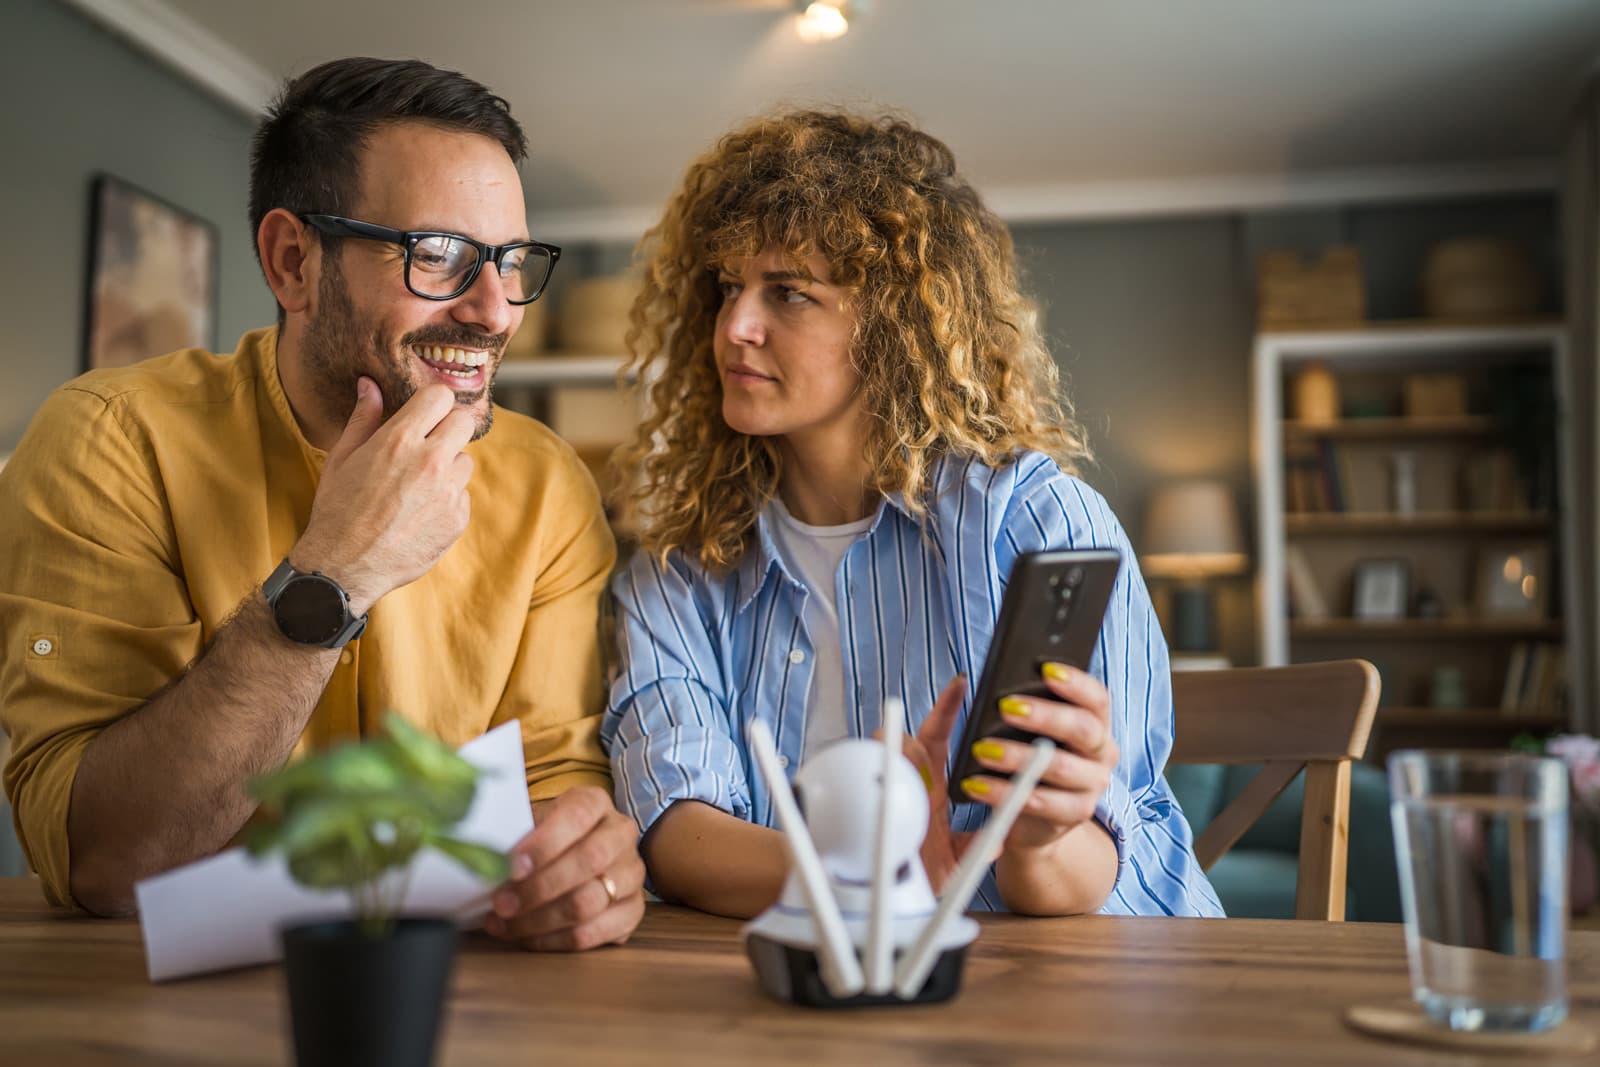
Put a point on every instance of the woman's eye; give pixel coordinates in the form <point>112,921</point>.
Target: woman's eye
<point>729,290</point>
<point>792,296</point>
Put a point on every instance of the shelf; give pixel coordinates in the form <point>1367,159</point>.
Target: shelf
<point>1353,523</point>
<point>1393,428</point>
<point>560,370</point>
<point>1472,718</point>
<point>1423,629</point>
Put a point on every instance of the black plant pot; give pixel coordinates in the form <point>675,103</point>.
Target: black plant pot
<point>357,1000</point>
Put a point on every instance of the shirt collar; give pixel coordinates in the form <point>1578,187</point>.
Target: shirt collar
<point>762,557</point>
<point>261,347</point>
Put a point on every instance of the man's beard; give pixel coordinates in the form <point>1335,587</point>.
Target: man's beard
<point>336,341</point>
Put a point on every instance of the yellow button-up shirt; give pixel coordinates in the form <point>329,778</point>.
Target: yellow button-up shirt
<point>144,504</point>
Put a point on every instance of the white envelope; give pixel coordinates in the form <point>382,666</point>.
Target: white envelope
<point>225,911</point>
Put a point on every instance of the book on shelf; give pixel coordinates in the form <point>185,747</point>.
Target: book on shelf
<point>1305,596</point>
<point>1535,682</point>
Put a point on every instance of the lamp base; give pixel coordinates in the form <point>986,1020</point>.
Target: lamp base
<point>1193,628</point>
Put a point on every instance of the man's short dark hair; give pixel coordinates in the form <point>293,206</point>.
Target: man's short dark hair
<point>306,155</point>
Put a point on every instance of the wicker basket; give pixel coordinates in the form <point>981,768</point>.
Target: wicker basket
<point>1292,293</point>
<point>593,317</point>
<point>1479,278</point>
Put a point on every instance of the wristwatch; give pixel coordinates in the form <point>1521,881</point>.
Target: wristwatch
<point>311,609</point>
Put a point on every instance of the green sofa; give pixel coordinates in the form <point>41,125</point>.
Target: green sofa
<point>1256,878</point>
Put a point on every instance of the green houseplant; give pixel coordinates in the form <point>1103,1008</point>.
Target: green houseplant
<point>369,989</point>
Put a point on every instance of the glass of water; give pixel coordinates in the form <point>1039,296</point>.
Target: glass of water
<point>1481,842</point>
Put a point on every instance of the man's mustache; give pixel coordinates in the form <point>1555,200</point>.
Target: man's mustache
<point>462,338</point>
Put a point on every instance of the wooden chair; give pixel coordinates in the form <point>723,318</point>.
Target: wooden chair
<point>1314,716</point>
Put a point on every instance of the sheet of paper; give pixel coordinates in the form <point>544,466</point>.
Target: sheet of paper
<point>225,911</point>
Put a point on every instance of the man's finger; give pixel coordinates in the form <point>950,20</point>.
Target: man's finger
<point>563,822</point>
<point>365,418</point>
<point>427,406</point>
<point>455,430</point>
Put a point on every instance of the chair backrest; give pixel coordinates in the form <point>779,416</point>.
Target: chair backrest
<point>1313,716</point>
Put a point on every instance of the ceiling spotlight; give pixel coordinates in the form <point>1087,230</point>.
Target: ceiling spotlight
<point>821,20</point>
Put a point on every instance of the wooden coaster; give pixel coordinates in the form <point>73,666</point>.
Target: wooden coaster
<point>1403,1020</point>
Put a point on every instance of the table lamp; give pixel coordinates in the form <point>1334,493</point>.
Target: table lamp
<point>1191,534</point>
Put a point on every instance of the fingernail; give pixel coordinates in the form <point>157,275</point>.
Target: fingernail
<point>363,387</point>
<point>505,905</point>
<point>1014,706</point>
<point>927,778</point>
<point>975,787</point>
<point>521,867</point>
<point>1058,672</point>
<point>990,750</point>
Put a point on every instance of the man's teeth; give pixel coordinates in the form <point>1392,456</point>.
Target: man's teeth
<point>466,360</point>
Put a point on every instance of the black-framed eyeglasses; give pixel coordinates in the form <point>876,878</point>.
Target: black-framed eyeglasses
<point>442,266</point>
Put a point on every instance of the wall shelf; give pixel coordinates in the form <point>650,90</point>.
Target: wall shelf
<point>1335,523</point>
<point>1392,429</point>
<point>1340,629</point>
<point>548,370</point>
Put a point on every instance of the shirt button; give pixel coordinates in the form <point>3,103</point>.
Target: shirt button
<point>43,647</point>
<point>346,658</point>
<point>783,761</point>
<point>796,656</point>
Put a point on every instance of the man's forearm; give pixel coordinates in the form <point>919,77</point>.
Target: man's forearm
<point>1071,876</point>
<point>165,784</point>
<point>703,857</point>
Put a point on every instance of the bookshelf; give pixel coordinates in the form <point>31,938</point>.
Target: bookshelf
<point>1457,502</point>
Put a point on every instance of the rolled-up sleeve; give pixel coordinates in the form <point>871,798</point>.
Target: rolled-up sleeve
<point>668,726</point>
<point>1157,871</point>
<point>95,617</point>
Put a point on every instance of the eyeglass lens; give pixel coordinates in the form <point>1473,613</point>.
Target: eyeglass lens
<point>440,265</point>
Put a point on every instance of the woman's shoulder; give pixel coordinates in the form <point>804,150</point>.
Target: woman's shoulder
<point>1031,487</point>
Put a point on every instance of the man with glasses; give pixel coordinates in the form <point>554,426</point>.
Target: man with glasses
<point>211,564</point>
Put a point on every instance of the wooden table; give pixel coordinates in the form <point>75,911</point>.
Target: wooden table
<point>1091,990</point>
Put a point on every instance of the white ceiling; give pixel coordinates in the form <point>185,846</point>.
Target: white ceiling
<point>1055,108</point>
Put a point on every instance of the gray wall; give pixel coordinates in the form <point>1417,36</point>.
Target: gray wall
<point>75,100</point>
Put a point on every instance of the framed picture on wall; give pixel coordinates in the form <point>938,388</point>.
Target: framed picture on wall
<point>152,285</point>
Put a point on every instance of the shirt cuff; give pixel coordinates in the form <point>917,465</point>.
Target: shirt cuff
<point>1118,813</point>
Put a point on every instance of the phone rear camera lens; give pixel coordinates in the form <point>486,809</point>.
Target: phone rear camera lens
<point>1054,638</point>
<point>1075,576</point>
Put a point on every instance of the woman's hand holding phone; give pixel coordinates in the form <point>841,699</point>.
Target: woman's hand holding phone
<point>1080,724</point>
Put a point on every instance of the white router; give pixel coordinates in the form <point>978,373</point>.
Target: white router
<point>857,924</point>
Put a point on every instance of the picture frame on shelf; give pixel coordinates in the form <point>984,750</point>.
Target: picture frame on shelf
<point>152,283</point>
<point>1512,580</point>
<point>1380,589</point>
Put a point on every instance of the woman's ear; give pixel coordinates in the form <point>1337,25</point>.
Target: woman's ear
<point>290,258</point>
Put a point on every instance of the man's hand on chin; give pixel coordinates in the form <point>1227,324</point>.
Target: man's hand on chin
<point>577,881</point>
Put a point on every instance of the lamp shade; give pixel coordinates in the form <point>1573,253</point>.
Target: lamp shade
<point>1192,531</point>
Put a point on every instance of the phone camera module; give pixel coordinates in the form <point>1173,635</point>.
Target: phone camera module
<point>1075,576</point>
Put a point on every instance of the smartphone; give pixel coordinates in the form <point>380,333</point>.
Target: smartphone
<point>1054,605</point>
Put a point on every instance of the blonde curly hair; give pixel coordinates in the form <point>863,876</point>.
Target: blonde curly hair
<point>948,349</point>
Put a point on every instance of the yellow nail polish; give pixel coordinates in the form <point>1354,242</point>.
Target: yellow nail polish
<point>975,787</point>
<point>1058,672</point>
<point>988,750</point>
<point>927,778</point>
<point>1014,706</point>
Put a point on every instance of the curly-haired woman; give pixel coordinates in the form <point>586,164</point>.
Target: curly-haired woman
<point>856,428</point>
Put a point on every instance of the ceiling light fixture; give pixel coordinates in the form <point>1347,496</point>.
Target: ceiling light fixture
<point>821,20</point>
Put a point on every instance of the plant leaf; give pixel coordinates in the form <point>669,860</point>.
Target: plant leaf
<point>488,864</point>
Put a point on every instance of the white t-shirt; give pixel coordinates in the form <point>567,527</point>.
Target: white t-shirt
<point>813,555</point>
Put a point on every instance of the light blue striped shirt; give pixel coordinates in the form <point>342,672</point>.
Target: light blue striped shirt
<point>703,655</point>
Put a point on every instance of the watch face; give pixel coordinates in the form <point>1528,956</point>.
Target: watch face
<point>310,610</point>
